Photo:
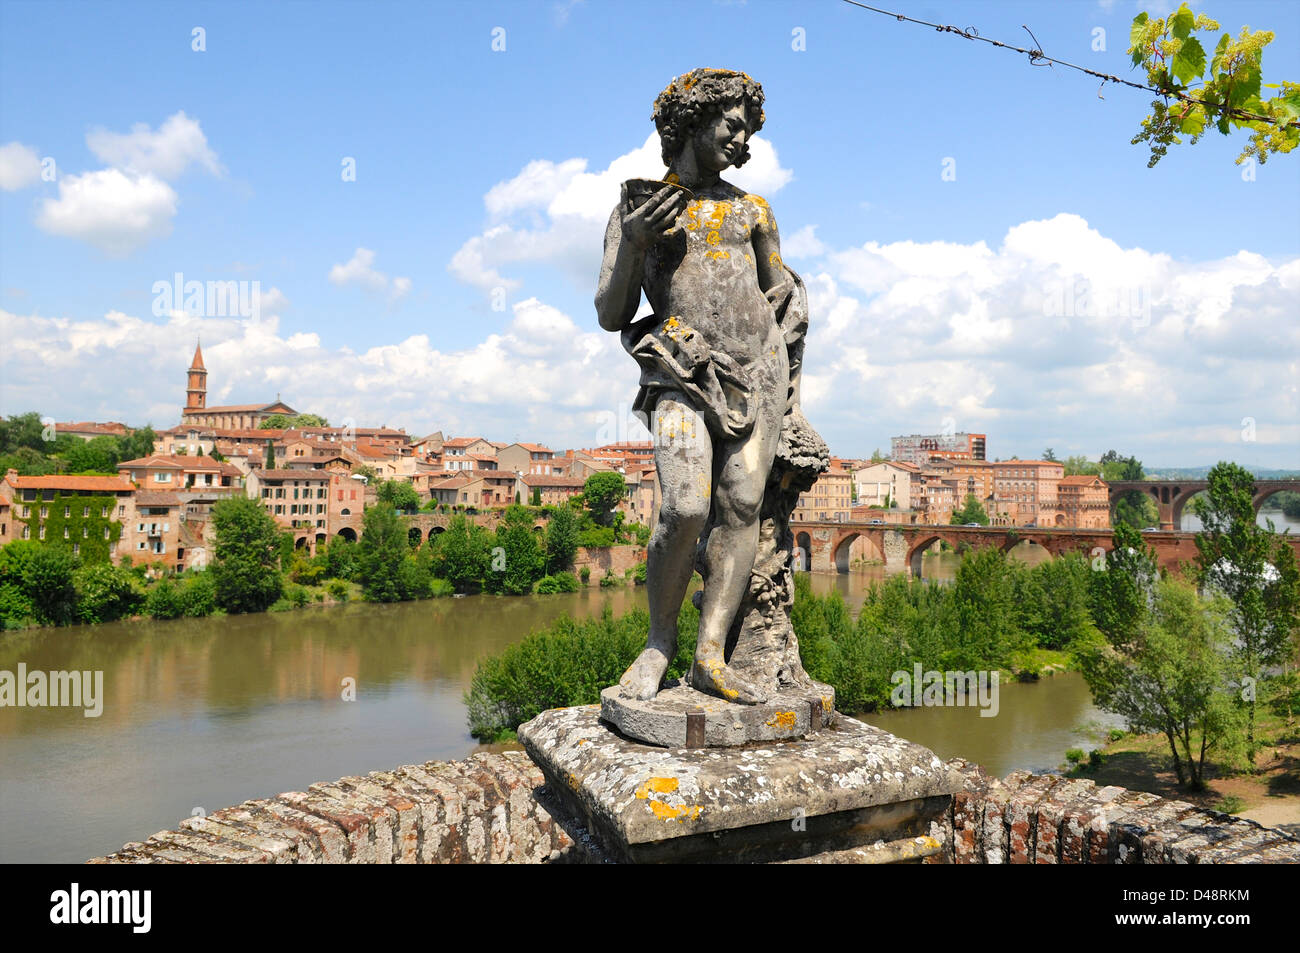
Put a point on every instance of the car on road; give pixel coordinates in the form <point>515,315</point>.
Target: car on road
<point>977,525</point>
<point>873,522</point>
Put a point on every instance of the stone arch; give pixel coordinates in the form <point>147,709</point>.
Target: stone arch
<point>803,552</point>
<point>842,557</point>
<point>319,542</point>
<point>348,533</point>
<point>346,512</point>
<point>1260,497</point>
<point>917,552</point>
<point>413,537</point>
<point>300,542</point>
<point>436,530</point>
<point>1180,505</point>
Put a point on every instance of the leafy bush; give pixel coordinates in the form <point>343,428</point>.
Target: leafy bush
<point>338,589</point>
<point>441,588</point>
<point>1075,755</point>
<point>609,580</point>
<point>560,582</point>
<point>199,596</point>
<point>596,537</point>
<point>165,600</point>
<point>564,665</point>
<point>106,592</point>
<point>585,574</point>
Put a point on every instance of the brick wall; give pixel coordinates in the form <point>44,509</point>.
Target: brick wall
<point>1045,819</point>
<point>491,808</point>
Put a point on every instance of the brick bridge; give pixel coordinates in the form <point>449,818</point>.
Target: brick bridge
<point>420,526</point>
<point>825,547</point>
<point>1171,496</point>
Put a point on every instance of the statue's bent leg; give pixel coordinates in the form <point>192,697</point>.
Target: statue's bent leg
<point>729,556</point>
<point>684,461</point>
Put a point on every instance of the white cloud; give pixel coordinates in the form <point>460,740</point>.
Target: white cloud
<point>567,208</point>
<point>360,270</point>
<point>802,244</point>
<point>166,153</point>
<point>1059,330</point>
<point>541,378</point>
<point>112,210</point>
<point>20,166</point>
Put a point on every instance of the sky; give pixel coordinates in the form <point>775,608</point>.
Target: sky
<point>412,198</point>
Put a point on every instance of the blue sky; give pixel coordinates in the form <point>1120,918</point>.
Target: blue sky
<point>483,177</point>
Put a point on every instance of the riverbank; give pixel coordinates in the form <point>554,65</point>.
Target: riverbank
<point>1269,795</point>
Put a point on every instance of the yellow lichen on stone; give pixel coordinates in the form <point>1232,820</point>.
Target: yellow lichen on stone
<point>658,786</point>
<point>672,178</point>
<point>782,719</point>
<point>666,812</point>
<point>826,703</point>
<point>713,238</point>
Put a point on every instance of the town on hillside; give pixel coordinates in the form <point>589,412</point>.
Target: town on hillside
<point>316,481</point>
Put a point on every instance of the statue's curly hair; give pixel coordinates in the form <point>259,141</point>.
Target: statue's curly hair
<point>699,94</point>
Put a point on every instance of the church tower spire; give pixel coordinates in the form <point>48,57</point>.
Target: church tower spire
<point>196,392</point>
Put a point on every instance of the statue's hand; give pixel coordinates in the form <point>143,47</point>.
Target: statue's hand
<point>653,221</point>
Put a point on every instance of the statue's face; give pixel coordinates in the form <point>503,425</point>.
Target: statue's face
<point>720,139</point>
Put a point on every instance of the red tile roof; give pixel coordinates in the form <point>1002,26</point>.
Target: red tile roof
<point>66,482</point>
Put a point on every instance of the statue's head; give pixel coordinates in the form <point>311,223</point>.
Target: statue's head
<point>698,99</point>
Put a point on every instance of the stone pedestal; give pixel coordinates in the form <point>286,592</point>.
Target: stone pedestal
<point>682,717</point>
<point>847,792</point>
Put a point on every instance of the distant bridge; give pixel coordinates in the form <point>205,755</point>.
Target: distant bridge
<point>1171,496</point>
<point>825,546</point>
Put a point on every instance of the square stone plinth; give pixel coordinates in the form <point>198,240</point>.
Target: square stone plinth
<point>843,787</point>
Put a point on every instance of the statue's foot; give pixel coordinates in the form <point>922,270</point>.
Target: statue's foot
<point>642,678</point>
<point>715,678</point>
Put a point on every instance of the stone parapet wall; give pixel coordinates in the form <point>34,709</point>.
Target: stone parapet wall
<point>491,808</point>
<point>616,559</point>
<point>1045,819</point>
<point>482,810</point>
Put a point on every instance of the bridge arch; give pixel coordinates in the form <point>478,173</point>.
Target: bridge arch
<point>842,557</point>
<point>916,553</point>
<point>803,552</point>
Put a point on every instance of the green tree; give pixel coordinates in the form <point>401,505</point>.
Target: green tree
<point>246,558</point>
<point>1049,454</point>
<point>381,555</point>
<point>138,443</point>
<point>1121,587</point>
<point>106,592</point>
<point>284,422</point>
<point>270,455</point>
<point>1170,678</point>
<point>98,455</point>
<point>1254,569</point>
<point>1227,95</point>
<point>603,492</point>
<point>561,540</point>
<point>537,496</point>
<point>462,554</point>
<point>41,581</point>
<point>22,430</point>
<point>971,512</point>
<point>398,494</point>
<point>519,561</point>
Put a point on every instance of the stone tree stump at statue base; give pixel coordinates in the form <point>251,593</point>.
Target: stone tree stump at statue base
<point>843,793</point>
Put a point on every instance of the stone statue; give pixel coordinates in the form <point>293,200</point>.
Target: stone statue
<point>720,359</point>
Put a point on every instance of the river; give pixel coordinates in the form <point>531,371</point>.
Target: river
<point>201,714</point>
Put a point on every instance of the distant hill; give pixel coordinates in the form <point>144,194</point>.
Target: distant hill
<point>1200,473</point>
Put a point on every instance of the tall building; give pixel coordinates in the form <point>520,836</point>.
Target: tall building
<point>919,448</point>
<point>196,391</point>
<point>235,417</point>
